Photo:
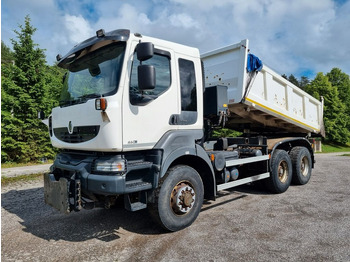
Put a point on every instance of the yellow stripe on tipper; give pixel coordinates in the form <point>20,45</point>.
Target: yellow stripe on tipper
<point>279,113</point>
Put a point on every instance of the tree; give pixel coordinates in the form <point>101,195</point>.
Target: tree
<point>225,132</point>
<point>25,92</point>
<point>341,80</point>
<point>335,118</point>
<point>6,54</point>
<point>304,81</point>
<point>293,80</point>
<point>53,82</point>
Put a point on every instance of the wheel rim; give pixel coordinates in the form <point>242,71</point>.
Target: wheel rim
<point>283,171</point>
<point>182,198</point>
<point>304,166</point>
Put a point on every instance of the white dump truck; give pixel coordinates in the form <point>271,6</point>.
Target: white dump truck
<point>135,121</point>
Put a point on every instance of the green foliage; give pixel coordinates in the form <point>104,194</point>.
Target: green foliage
<point>23,178</point>
<point>302,83</point>
<point>6,54</point>
<point>53,82</point>
<point>27,86</point>
<point>341,81</point>
<point>336,120</point>
<point>334,147</point>
<point>293,80</point>
<point>225,132</point>
<point>334,87</point>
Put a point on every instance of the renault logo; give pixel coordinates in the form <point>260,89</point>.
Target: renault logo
<point>70,128</point>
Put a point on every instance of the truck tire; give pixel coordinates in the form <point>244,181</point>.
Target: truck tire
<point>301,164</point>
<point>179,198</point>
<point>281,172</point>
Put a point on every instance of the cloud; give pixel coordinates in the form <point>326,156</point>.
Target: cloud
<point>125,16</point>
<point>204,5</point>
<point>77,28</point>
<point>290,36</point>
<point>183,20</point>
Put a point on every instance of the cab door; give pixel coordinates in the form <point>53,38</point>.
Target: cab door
<point>147,114</point>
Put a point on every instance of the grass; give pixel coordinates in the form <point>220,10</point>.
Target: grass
<point>13,164</point>
<point>23,178</point>
<point>334,148</point>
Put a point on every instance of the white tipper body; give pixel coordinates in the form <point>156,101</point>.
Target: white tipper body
<point>269,99</point>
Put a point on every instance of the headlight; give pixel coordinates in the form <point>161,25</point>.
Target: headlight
<point>114,164</point>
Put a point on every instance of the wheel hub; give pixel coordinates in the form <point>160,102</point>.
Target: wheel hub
<point>283,171</point>
<point>304,166</point>
<point>182,198</point>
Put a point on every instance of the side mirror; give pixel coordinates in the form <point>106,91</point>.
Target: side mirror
<point>94,71</point>
<point>144,51</point>
<point>146,77</point>
<point>41,115</point>
<point>64,77</point>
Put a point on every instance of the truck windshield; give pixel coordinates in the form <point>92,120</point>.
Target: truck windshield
<point>95,72</point>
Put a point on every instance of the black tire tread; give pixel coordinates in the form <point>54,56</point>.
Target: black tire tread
<point>272,183</point>
<point>154,207</point>
<point>295,156</point>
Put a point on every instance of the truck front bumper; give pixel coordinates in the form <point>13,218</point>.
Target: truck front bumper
<point>103,184</point>
<point>73,184</point>
<point>135,177</point>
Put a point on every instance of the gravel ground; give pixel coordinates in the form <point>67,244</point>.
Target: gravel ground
<point>306,223</point>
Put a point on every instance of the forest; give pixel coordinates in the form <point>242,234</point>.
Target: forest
<point>30,85</point>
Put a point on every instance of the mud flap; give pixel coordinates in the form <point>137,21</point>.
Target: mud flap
<point>57,193</point>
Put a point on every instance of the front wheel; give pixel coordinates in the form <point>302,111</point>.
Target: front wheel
<point>179,199</point>
<point>281,172</point>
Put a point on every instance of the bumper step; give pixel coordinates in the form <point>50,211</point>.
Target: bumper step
<point>137,186</point>
<point>140,202</point>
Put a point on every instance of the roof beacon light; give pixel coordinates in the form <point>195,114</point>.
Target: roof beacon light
<point>100,33</point>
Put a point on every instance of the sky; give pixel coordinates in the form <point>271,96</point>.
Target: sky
<point>299,37</point>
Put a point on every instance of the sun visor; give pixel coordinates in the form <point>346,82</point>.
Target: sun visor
<point>93,44</point>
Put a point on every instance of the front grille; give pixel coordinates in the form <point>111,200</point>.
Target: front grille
<point>80,133</point>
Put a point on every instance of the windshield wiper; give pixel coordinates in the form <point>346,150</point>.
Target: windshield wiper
<point>93,95</point>
<point>66,102</point>
<point>79,100</point>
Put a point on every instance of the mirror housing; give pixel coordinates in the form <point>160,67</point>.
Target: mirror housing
<point>94,71</point>
<point>146,77</point>
<point>64,77</point>
<point>41,115</point>
<point>144,51</point>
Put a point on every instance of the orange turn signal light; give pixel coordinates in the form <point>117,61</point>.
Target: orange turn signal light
<point>101,104</point>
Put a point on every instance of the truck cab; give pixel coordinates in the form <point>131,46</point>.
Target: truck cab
<point>104,70</point>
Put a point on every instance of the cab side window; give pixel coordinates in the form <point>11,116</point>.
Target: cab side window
<point>161,62</point>
<point>188,85</point>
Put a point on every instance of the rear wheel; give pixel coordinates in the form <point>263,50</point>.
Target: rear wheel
<point>281,172</point>
<point>179,199</point>
<point>301,163</point>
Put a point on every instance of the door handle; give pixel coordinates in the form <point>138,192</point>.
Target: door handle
<point>174,119</point>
